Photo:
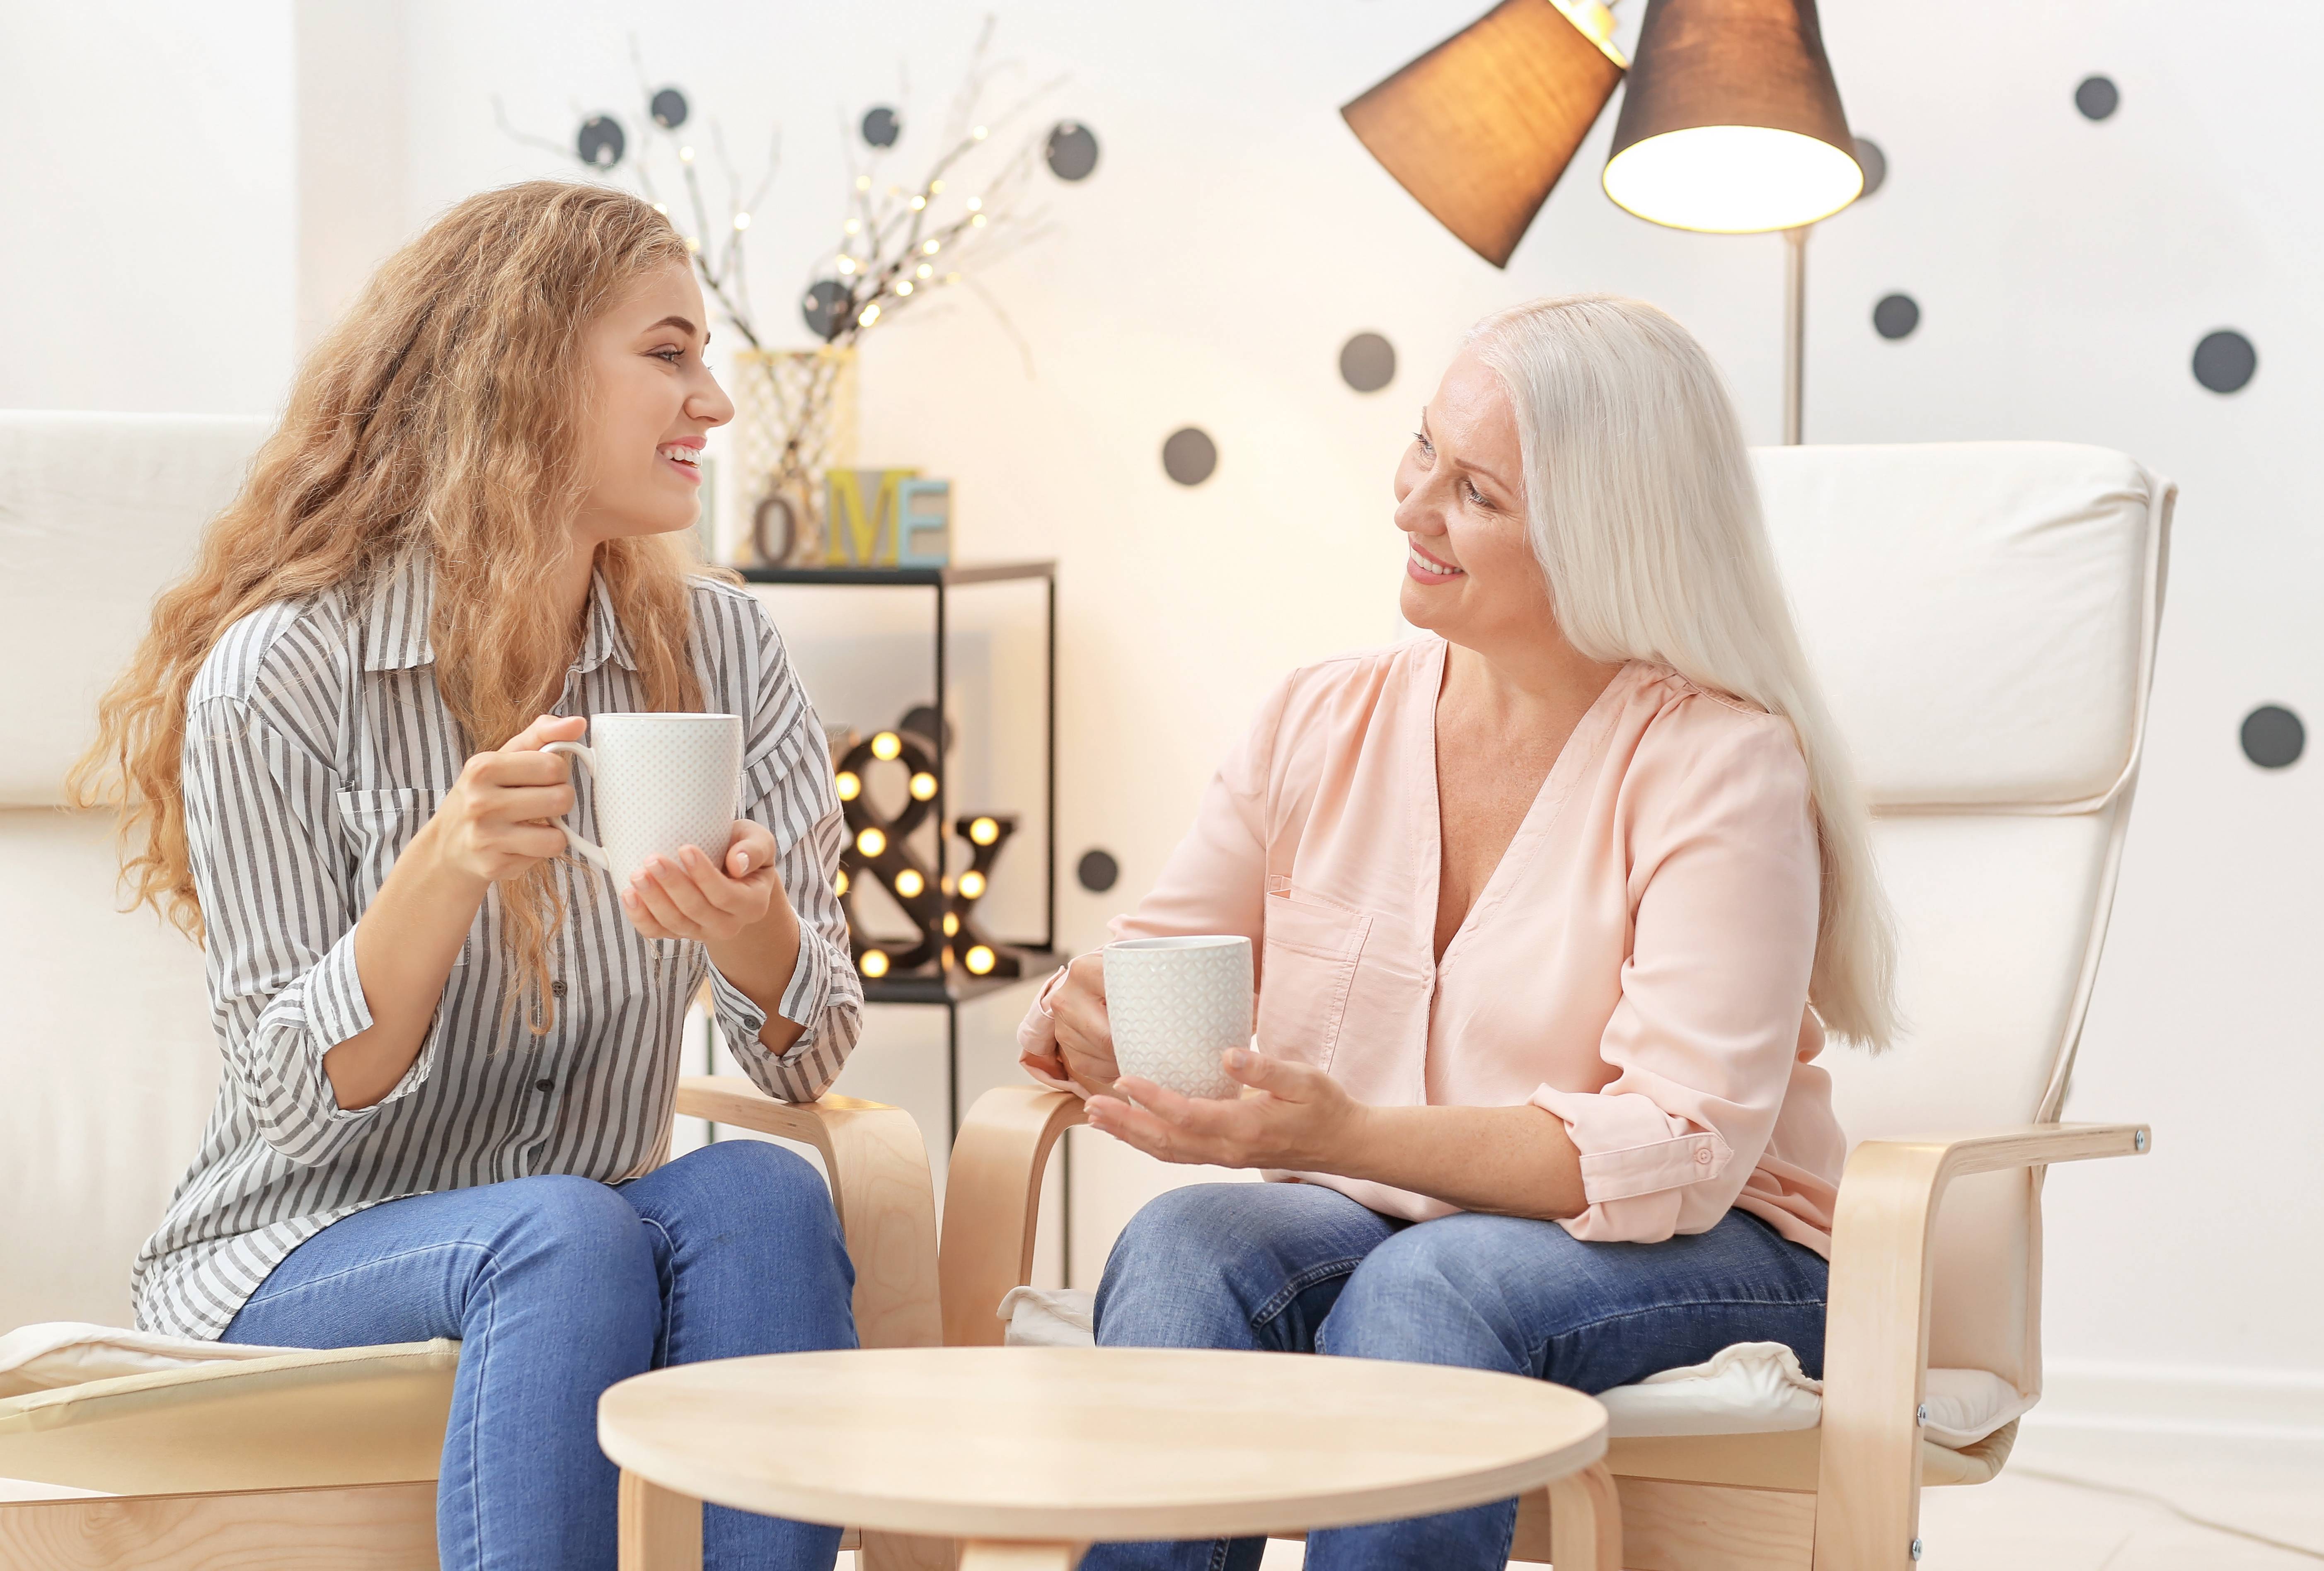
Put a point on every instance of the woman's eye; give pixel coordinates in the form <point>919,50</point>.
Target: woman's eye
<point>1475,494</point>
<point>670,356</point>
<point>1427,451</point>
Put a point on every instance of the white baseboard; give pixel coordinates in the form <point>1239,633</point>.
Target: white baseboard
<point>2181,1399</point>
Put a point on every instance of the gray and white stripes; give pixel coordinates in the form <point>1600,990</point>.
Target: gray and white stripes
<point>317,745</point>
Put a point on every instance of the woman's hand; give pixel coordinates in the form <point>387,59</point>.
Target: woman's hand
<point>1084,1032</point>
<point>498,819</point>
<point>694,897</point>
<point>1290,1115</point>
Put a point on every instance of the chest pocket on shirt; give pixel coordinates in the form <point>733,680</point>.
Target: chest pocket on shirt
<point>375,827</point>
<point>1306,966</point>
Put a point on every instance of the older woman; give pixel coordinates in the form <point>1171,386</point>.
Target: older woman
<point>1553,906</point>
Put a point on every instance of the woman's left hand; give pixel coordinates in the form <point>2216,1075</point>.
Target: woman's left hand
<point>694,897</point>
<point>1290,1115</point>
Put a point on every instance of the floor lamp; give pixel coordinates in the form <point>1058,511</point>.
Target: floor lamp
<point>1731,124</point>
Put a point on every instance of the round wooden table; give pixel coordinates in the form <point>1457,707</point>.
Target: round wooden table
<point>1027,1455</point>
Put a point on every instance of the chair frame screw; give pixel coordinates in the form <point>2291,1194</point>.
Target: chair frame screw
<point>1916,1549</point>
<point>2138,1141</point>
<point>1920,1414</point>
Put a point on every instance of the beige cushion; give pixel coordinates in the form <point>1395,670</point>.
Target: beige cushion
<point>63,1353</point>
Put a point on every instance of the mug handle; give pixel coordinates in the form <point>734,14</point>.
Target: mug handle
<point>593,854</point>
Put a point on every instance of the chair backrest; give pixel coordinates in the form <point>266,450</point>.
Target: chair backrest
<point>1982,616</point>
<point>108,1061</point>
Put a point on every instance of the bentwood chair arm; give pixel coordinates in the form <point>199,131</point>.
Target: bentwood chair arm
<point>878,1173</point>
<point>992,1201</point>
<point>1876,1325</point>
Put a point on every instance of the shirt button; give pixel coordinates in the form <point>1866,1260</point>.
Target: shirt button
<point>1702,1155</point>
<point>558,987</point>
<point>544,1085</point>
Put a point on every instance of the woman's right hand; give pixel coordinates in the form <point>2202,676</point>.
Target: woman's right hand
<point>1084,1033</point>
<point>498,819</point>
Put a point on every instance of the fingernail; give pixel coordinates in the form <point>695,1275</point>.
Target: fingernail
<point>1237,1058</point>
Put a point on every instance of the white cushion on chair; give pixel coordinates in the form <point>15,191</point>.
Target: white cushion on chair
<point>1752,1388</point>
<point>61,1353</point>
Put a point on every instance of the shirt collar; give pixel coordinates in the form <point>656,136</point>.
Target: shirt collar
<point>395,622</point>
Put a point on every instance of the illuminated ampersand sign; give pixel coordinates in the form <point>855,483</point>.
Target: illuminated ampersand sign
<point>943,910</point>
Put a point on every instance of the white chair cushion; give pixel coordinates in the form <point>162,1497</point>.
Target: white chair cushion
<point>1753,1387</point>
<point>62,1353</point>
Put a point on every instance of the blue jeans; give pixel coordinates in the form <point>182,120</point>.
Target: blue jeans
<point>1298,1268</point>
<point>557,1287</point>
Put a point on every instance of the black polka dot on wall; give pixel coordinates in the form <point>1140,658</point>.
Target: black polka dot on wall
<point>600,142</point>
<point>821,304</point>
<point>1189,456</point>
<point>1368,362</point>
<point>2098,97</point>
<point>1895,315</point>
<point>2273,737</point>
<point>1072,151</point>
<point>1874,163</point>
<point>2225,361</point>
<point>669,108</point>
<point>1098,871</point>
<point>881,127</point>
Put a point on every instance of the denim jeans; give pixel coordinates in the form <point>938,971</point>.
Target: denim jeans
<point>1298,1268</point>
<point>557,1287</point>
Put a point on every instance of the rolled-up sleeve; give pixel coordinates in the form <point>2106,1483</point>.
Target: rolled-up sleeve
<point>277,908</point>
<point>1215,881</point>
<point>1725,885</point>
<point>786,785</point>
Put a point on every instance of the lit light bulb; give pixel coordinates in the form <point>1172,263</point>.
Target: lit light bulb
<point>935,188</point>
<point>909,884</point>
<point>886,745</point>
<point>662,208</point>
<point>742,220</point>
<point>952,278</point>
<point>977,203</point>
<point>972,883</point>
<point>692,245</point>
<point>839,884</point>
<point>980,959</point>
<point>903,286</point>
<point>874,963</point>
<point>951,925</point>
<point>872,843</point>
<point>977,222</point>
<point>850,785</point>
<point>978,135</point>
<point>846,265</point>
<point>919,203</point>
<point>853,226</point>
<point>931,247</point>
<point>863,182</point>
<point>944,883</point>
<point>924,785</point>
<point>686,155</point>
<point>983,831</point>
<point>870,314</point>
<point>925,270</point>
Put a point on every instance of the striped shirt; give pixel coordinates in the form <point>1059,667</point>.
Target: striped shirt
<point>317,745</point>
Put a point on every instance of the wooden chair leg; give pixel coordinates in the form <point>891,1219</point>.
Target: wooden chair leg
<point>661,1530</point>
<point>905,1552</point>
<point>1585,1521</point>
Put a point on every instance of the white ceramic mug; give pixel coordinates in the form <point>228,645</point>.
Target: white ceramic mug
<point>663,782</point>
<point>1175,1005</point>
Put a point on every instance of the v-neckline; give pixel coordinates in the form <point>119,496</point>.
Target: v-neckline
<point>1539,815</point>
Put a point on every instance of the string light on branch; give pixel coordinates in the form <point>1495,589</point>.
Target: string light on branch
<point>870,314</point>
<point>904,286</point>
<point>931,247</point>
<point>974,203</point>
<point>853,226</point>
<point>919,203</point>
<point>845,263</point>
<point>742,220</point>
<point>686,155</point>
<point>925,270</point>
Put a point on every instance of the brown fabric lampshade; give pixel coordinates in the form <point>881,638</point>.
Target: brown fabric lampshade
<point>1480,128</point>
<point>1732,122</point>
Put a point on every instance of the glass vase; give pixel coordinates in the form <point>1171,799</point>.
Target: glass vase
<point>794,421</point>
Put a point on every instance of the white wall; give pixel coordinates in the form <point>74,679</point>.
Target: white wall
<point>1235,235</point>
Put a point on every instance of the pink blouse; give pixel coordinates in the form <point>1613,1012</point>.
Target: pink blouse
<point>1637,965</point>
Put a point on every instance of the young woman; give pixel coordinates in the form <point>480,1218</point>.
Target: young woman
<point>1542,900</point>
<point>451,1051</point>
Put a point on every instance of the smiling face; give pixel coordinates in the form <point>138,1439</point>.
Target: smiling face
<point>1471,575</point>
<point>654,399</point>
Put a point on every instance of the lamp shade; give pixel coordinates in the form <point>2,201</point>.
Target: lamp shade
<point>1732,123</point>
<point>1480,128</point>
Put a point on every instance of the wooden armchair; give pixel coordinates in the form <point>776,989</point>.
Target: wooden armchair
<point>327,1461</point>
<point>1984,616</point>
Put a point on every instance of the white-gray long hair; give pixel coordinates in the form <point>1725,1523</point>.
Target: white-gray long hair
<point>1642,513</point>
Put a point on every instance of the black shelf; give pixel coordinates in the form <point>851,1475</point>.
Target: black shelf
<point>902,577</point>
<point>952,989</point>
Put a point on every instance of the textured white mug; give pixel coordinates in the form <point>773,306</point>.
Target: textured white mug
<point>663,782</point>
<point>1175,1005</point>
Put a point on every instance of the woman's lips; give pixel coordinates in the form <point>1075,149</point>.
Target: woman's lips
<point>1424,568</point>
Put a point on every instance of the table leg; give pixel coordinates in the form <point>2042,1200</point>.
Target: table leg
<point>1014,1556</point>
<point>660,1530</point>
<point>1585,1521</point>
